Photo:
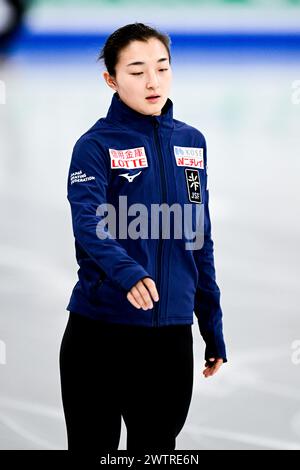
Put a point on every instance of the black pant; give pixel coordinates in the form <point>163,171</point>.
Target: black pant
<point>109,370</point>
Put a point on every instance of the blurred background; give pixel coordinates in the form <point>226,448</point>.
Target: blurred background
<point>236,67</point>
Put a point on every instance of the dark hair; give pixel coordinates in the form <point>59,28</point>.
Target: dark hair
<point>120,38</point>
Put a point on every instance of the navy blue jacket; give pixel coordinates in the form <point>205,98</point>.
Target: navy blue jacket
<point>150,160</point>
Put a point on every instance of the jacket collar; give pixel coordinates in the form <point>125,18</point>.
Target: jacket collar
<point>124,116</point>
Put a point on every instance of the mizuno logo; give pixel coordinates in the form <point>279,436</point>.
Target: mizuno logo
<point>130,177</point>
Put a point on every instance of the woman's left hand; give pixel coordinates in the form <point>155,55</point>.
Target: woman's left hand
<point>212,369</point>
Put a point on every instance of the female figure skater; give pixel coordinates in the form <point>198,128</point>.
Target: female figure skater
<point>127,350</point>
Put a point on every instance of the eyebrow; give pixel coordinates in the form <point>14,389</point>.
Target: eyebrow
<point>143,63</point>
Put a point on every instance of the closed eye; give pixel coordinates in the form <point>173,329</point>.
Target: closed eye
<point>139,73</point>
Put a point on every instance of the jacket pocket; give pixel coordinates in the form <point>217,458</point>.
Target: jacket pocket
<point>91,281</point>
<point>98,286</point>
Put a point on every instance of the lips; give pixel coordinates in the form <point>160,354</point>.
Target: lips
<point>152,96</point>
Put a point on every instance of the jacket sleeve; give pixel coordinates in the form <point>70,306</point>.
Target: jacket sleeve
<point>207,299</point>
<point>87,188</point>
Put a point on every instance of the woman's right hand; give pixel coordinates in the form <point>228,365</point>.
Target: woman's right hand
<point>142,294</point>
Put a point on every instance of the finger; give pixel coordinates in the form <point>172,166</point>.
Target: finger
<point>212,370</point>
<point>217,367</point>
<point>145,294</point>
<point>210,362</point>
<point>150,284</point>
<point>151,287</point>
<point>207,372</point>
<point>132,300</point>
<point>138,297</point>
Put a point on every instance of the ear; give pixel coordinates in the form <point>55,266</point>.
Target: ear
<point>109,80</point>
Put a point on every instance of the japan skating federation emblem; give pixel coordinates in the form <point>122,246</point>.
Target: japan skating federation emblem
<point>193,185</point>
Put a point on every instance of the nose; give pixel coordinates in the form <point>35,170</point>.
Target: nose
<point>152,80</point>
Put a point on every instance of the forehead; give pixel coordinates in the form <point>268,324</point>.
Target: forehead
<point>150,50</point>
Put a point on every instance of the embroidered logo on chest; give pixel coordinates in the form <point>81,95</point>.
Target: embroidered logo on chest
<point>129,177</point>
<point>129,158</point>
<point>189,156</point>
<point>193,185</point>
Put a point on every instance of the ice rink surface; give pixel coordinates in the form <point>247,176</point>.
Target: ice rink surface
<point>252,128</point>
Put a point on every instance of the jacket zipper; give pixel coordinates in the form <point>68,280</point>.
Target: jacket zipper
<point>156,308</point>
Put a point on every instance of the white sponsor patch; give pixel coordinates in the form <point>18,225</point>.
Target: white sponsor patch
<point>189,156</point>
<point>129,158</point>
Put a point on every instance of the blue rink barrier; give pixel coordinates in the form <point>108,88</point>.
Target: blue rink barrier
<point>264,44</point>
